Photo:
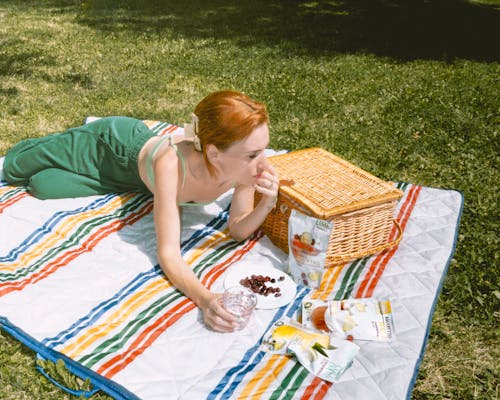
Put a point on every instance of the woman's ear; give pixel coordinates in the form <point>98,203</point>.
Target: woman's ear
<point>212,153</point>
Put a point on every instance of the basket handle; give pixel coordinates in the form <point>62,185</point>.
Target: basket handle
<point>399,234</point>
<point>392,243</point>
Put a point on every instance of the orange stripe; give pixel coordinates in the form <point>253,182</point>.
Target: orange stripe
<point>122,313</point>
<point>219,269</point>
<point>166,320</point>
<point>383,259</point>
<point>64,259</point>
<point>62,230</point>
<point>312,389</point>
<point>323,390</point>
<point>12,200</point>
<point>167,130</point>
<point>389,254</point>
<point>379,257</point>
<point>156,329</point>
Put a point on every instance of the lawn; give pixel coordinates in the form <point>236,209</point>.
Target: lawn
<point>407,90</point>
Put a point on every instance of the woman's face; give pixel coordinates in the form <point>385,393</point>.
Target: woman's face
<point>244,161</point>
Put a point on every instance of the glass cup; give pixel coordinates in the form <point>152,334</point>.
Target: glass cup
<point>240,302</point>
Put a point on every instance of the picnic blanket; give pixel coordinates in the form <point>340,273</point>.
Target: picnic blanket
<point>79,281</point>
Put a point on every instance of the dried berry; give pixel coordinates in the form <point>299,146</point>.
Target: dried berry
<point>257,284</point>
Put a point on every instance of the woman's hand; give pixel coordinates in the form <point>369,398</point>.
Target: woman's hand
<point>244,218</point>
<point>268,184</point>
<point>215,316</point>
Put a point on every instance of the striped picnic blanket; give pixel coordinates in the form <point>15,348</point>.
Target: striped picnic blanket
<point>79,281</point>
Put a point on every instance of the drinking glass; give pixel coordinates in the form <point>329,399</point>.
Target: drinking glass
<point>240,302</point>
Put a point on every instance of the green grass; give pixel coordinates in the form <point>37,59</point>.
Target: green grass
<point>407,90</point>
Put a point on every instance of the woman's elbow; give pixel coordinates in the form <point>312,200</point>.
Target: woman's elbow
<point>238,234</point>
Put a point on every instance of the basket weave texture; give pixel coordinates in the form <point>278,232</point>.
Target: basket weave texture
<point>327,187</point>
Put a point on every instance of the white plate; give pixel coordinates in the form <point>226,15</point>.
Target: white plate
<point>288,289</point>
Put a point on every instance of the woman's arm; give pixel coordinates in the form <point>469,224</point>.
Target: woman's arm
<point>168,233</point>
<point>244,219</point>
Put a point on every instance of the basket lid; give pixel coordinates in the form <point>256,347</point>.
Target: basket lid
<point>328,185</point>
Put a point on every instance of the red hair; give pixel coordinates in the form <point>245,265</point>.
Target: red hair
<point>226,117</point>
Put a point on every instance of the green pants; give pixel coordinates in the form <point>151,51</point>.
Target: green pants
<point>96,158</point>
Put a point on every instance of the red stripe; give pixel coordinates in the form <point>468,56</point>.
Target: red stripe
<point>67,257</point>
<point>391,252</point>
<point>167,130</point>
<point>136,348</point>
<point>313,390</point>
<point>12,200</point>
<point>379,257</point>
<point>376,269</point>
<point>219,269</point>
<point>323,390</point>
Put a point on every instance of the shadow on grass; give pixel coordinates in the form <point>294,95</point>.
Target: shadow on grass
<point>401,29</point>
<point>21,61</point>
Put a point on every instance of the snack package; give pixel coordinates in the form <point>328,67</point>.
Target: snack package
<point>313,314</point>
<point>353,319</point>
<point>308,239</point>
<point>325,357</point>
<point>327,364</point>
<point>285,331</point>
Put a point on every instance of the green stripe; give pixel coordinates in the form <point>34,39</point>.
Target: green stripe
<point>215,255</point>
<point>158,127</point>
<point>402,185</point>
<point>85,230</point>
<point>117,341</point>
<point>11,193</point>
<point>345,279</point>
<point>297,384</point>
<point>350,279</point>
<point>294,379</point>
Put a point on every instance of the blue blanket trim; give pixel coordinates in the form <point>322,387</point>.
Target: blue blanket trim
<point>106,385</point>
<point>118,392</point>
<point>113,389</point>
<point>436,297</point>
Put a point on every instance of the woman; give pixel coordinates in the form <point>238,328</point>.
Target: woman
<point>228,135</point>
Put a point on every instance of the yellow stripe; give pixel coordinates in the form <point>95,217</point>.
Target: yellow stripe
<point>336,273</point>
<point>327,282</point>
<point>122,314</point>
<point>68,225</point>
<point>127,308</point>
<point>266,374</point>
<point>210,243</point>
<point>5,189</point>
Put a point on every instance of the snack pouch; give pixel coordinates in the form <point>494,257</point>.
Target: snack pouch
<point>325,357</point>
<point>328,364</point>
<point>285,331</point>
<point>313,313</point>
<point>358,319</point>
<point>308,239</point>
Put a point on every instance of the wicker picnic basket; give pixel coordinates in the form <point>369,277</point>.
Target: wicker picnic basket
<point>320,184</point>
